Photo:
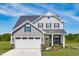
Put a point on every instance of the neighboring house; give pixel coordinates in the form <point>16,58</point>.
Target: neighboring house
<point>32,31</point>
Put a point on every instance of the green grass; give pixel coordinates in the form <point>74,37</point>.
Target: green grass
<point>72,43</point>
<point>64,52</point>
<point>4,46</point>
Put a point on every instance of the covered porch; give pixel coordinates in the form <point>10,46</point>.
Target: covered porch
<point>54,36</point>
<point>52,39</point>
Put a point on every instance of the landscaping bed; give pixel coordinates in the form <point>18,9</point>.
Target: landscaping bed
<point>72,49</point>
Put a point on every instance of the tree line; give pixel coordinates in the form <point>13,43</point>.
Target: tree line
<point>5,37</point>
<point>75,37</point>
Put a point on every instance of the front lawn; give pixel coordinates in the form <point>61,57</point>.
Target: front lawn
<point>64,52</point>
<point>4,46</point>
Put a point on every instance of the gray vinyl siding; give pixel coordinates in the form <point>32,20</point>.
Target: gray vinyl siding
<point>34,32</point>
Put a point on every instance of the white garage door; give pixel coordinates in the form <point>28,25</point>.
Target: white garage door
<point>28,42</point>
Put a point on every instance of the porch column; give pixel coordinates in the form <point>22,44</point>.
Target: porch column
<point>12,41</point>
<point>64,40</point>
<point>52,39</point>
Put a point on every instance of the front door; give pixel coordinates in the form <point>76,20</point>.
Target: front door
<point>56,39</point>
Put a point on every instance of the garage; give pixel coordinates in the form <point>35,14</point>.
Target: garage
<point>28,42</point>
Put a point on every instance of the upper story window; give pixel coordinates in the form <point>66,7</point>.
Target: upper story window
<point>27,28</point>
<point>40,25</point>
<point>48,25</point>
<point>56,25</point>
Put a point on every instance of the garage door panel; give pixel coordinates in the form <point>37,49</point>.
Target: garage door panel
<point>28,43</point>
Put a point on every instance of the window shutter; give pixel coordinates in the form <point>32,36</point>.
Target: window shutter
<point>38,24</point>
<point>50,25</point>
<point>54,25</point>
<point>42,25</point>
<point>46,25</point>
<point>25,29</point>
<point>58,25</point>
<point>30,28</point>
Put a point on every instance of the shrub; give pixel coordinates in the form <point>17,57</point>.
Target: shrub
<point>43,46</point>
<point>56,47</point>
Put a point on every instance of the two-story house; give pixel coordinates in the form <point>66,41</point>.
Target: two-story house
<point>32,31</point>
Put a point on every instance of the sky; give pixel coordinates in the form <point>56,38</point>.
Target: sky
<point>10,13</point>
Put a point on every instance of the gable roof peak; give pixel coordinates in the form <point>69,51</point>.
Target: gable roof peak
<point>49,13</point>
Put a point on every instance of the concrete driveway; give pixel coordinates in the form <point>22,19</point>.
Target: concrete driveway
<point>23,52</point>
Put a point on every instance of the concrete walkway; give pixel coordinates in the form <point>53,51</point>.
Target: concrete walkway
<point>23,52</point>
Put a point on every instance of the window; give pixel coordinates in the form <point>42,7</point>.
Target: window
<point>48,17</point>
<point>40,25</point>
<point>30,38</point>
<point>56,39</point>
<point>48,25</point>
<point>56,25</point>
<point>27,28</point>
<point>24,38</point>
<point>18,38</point>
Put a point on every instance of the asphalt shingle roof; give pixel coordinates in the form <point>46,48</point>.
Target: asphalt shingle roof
<point>54,30</point>
<point>30,18</point>
<point>24,18</point>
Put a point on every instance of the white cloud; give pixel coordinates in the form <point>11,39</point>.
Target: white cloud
<point>17,10</point>
<point>25,9</point>
<point>65,13</point>
<point>3,11</point>
<point>68,15</point>
<point>76,6</point>
<point>8,11</point>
